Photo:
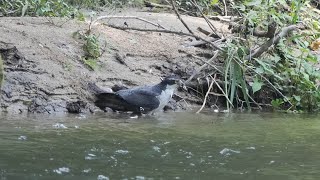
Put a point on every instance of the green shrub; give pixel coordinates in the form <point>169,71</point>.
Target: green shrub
<point>92,46</point>
<point>49,8</point>
<point>288,68</point>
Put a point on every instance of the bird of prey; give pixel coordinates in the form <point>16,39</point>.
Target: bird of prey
<point>143,99</point>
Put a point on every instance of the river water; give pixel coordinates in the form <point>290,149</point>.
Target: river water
<point>167,146</point>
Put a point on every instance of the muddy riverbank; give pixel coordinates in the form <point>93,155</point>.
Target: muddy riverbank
<point>45,73</point>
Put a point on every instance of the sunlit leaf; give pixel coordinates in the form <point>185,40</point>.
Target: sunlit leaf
<point>257,85</point>
<point>276,103</point>
<point>253,3</point>
<point>214,2</point>
<point>312,58</point>
<point>297,98</point>
<point>259,70</point>
<point>24,8</point>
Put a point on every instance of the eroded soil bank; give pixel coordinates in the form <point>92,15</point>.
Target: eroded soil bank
<point>44,71</point>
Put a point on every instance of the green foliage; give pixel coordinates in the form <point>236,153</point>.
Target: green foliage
<point>90,62</point>
<point>234,72</point>
<point>257,85</point>
<point>92,46</point>
<point>276,103</point>
<point>49,8</point>
<point>104,3</point>
<point>206,6</point>
<point>288,69</point>
<point>58,8</point>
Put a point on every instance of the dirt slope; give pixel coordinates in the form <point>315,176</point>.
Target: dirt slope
<point>44,71</point>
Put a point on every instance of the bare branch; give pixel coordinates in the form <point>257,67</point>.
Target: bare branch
<point>168,31</point>
<point>275,40</point>
<point>224,18</point>
<point>213,28</point>
<point>127,17</point>
<point>225,8</point>
<point>201,67</point>
<point>179,17</point>
<point>208,92</point>
<point>198,43</point>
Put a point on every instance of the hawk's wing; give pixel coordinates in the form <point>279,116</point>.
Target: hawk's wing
<point>143,97</point>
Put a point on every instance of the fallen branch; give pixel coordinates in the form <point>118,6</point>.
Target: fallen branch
<point>275,40</point>
<point>199,43</point>
<point>206,96</point>
<point>126,17</point>
<point>167,31</point>
<point>179,17</point>
<point>200,29</point>
<point>224,18</point>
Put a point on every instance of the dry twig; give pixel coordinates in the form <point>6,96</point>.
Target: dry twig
<point>199,43</point>
<point>179,17</point>
<point>212,27</point>
<point>201,67</point>
<point>208,92</point>
<point>225,8</point>
<point>126,17</point>
<point>168,31</point>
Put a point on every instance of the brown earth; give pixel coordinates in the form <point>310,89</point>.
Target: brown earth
<point>44,71</point>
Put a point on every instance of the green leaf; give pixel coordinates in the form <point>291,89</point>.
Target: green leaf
<point>312,58</point>
<point>276,103</point>
<point>214,2</point>
<point>253,3</point>
<point>24,9</point>
<point>256,86</point>
<point>297,98</point>
<point>259,70</point>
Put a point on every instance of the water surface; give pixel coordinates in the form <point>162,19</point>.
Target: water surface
<point>184,145</point>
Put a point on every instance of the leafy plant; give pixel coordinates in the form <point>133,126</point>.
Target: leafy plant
<point>91,46</point>
<point>90,62</point>
<point>49,8</point>
<point>288,68</point>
